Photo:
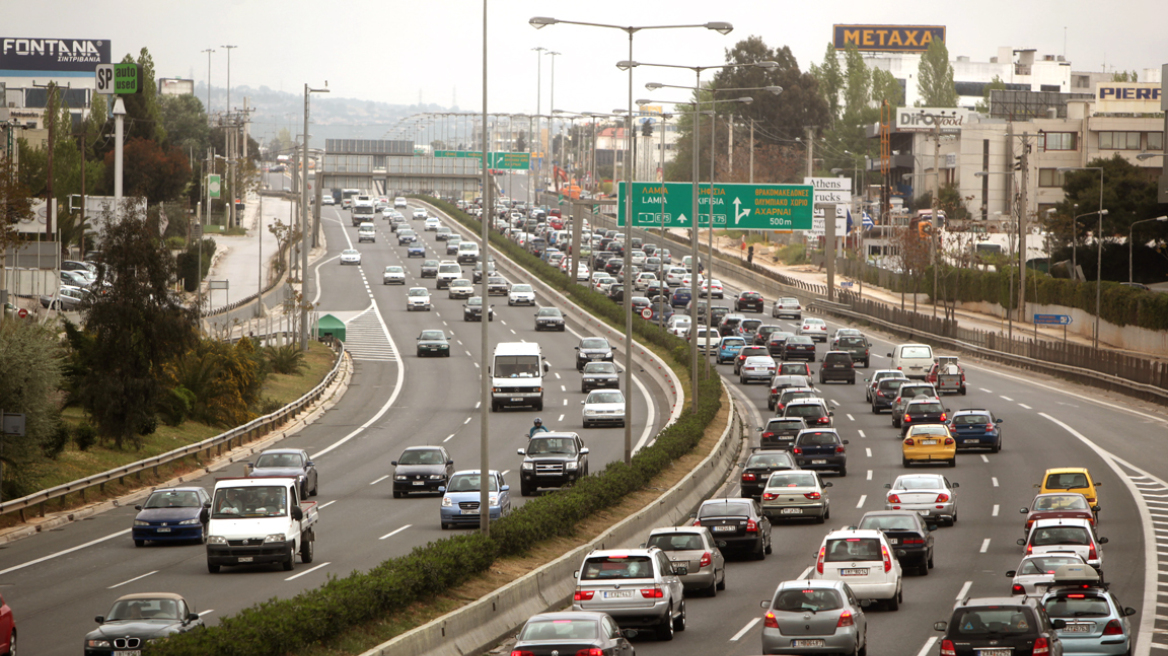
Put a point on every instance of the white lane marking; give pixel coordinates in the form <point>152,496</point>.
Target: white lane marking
<point>448,437</point>
<point>504,323</point>
<point>1023,405</point>
<point>928,646</point>
<point>307,571</point>
<point>565,401</point>
<point>986,390</point>
<point>850,417</point>
<point>563,388</point>
<point>380,479</point>
<point>207,612</point>
<point>805,573</point>
<point>862,434</point>
<point>834,402</point>
<point>869,474</point>
<point>995,512</point>
<point>650,415</point>
<point>561,418</point>
<point>557,375</point>
<point>965,588</point>
<point>513,331</point>
<point>326,505</point>
<point>118,585</point>
<point>393,533</point>
<point>1005,398</point>
<point>749,625</point>
<point>868,452</point>
<point>478,404</point>
<point>476,365</point>
<point>985,545</point>
<point>994,479</point>
<point>984,458</point>
<point>467,421</point>
<point>66,551</point>
<point>468,354</point>
<point>863,498</point>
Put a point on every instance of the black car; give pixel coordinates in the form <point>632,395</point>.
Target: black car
<point>429,269</point>
<point>616,292</point>
<point>576,632</point>
<point>799,347</point>
<point>837,365</point>
<point>762,336</point>
<point>820,448</point>
<point>717,313</point>
<point>729,324</point>
<point>406,237</point>
<point>472,310</point>
<point>1009,625</point>
<point>137,619</point>
<point>886,392</point>
<point>477,276</point>
<point>792,394</point>
<point>552,460</point>
<point>908,534</point>
<point>592,349</point>
<point>777,342</point>
<point>697,310</point>
<point>421,469</point>
<point>497,286</point>
<point>549,318</point>
<point>613,266</point>
<point>287,463</point>
<point>737,524</point>
<point>599,374</point>
<point>758,468</point>
<point>922,411</point>
<point>751,301</point>
<point>780,432</point>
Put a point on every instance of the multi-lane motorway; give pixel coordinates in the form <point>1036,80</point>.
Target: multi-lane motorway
<point>57,581</point>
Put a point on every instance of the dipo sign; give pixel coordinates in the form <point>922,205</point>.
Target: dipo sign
<point>920,119</point>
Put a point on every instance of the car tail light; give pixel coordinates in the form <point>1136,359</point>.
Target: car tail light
<point>823,420</point>
<point>943,416</point>
<point>839,449</point>
<point>1113,628</point>
<point>942,498</point>
<point>1017,589</point>
<point>892,498</point>
<point>812,495</point>
<point>948,441</point>
<point>767,435</point>
<point>797,450</point>
<point>845,619</point>
<point>770,622</point>
<point>907,419</point>
<point>652,593</point>
<point>520,652</point>
<point>593,651</point>
<point>913,541</point>
<point>1041,647</point>
<point>989,428</point>
<point>819,561</point>
<point>751,526</point>
<point>706,560</point>
<point>879,393</point>
<point>769,496</point>
<point>908,441</point>
<point>887,559</point>
<point>748,476</point>
<point>947,648</point>
<point>900,368</point>
<point>1029,549</point>
<point>1092,553</point>
<point>774,391</point>
<point>697,522</point>
<point>584,595</point>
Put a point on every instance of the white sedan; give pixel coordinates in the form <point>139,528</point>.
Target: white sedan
<point>521,295</point>
<point>711,288</point>
<point>642,280</point>
<point>394,275</point>
<point>582,272</point>
<point>432,224</point>
<point>418,298</point>
<point>605,284</point>
<point>350,256</point>
<point>604,407</point>
<point>675,275</point>
<point>816,329</point>
<point>679,324</point>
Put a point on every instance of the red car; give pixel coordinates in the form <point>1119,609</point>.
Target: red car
<point>1058,505</point>
<point>7,629</point>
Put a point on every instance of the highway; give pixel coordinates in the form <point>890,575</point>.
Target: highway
<point>59,580</point>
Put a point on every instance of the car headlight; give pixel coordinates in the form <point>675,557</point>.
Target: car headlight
<point>496,389</point>
<point>589,411</point>
<point>190,522</point>
<point>571,466</point>
<point>216,539</point>
<point>494,501</point>
<point>400,478</point>
<point>447,502</point>
<point>528,466</point>
<point>437,477</point>
<point>274,537</point>
<point>138,522</point>
<point>98,643</point>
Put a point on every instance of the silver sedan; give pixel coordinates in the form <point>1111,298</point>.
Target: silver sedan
<point>929,495</point>
<point>757,367</point>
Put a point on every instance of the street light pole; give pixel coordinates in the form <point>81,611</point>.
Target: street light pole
<point>304,222</point>
<point>1098,238</point>
<point>208,51</point>
<point>538,110</point>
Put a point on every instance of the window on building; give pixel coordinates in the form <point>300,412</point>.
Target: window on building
<point>1155,140</point>
<point>1119,141</point>
<point>1050,87</point>
<point>1050,178</point>
<point>1059,141</point>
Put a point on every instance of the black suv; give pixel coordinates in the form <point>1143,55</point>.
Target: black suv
<point>430,268</point>
<point>1012,625</point>
<point>837,365</point>
<point>759,467</point>
<point>922,411</point>
<point>592,349</point>
<point>857,346</point>
<point>552,460</point>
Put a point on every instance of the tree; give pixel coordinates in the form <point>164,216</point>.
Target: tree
<point>830,80</point>
<point>1125,76</point>
<point>15,206</point>
<point>151,170</point>
<point>143,114</point>
<point>185,122</point>
<point>935,77</point>
<point>521,142</point>
<point>995,84</point>
<point>885,87</point>
<point>30,376</point>
<point>130,332</point>
<point>859,84</point>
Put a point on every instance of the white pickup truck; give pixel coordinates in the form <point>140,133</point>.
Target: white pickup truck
<point>258,520</point>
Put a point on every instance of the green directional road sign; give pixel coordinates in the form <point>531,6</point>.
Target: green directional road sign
<point>735,206</point>
<point>459,153</point>
<point>510,161</point>
<point>213,186</point>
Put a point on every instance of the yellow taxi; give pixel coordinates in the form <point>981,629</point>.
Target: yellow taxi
<point>927,443</point>
<point>1070,479</point>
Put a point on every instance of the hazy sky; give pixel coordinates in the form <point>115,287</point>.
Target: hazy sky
<point>396,51</point>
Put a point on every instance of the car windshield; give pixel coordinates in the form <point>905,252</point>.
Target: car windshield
<point>268,460</point>
<point>1006,620</point>
<point>1045,536</point>
<point>419,291</point>
<point>891,384</point>
<point>143,609</point>
<point>521,288</point>
<point>725,509</point>
<point>818,438</point>
<point>433,334</point>
<point>495,280</point>
<point>351,251</point>
<point>852,549</point>
<point>925,408</point>
<point>469,483</point>
<point>1066,481</point>
<point>916,352</point>
<point>971,420</point>
<point>732,342</point>
<point>792,479</point>
<point>594,343</point>
<point>617,567</point>
<point>918,483</point>
<point>600,368</point>
<point>807,599</point>
<point>394,269</point>
<point>258,501</point>
<point>769,461</point>
<point>913,391</point>
<point>551,445</point>
<point>605,397</point>
<point>429,263</point>
<point>929,431</point>
<point>1061,502</point>
<point>799,339</point>
<point>1046,565</point>
<point>449,268</point>
<point>421,457</point>
<point>549,312</point>
<point>805,410</point>
<point>785,424</point>
<point>516,366</point>
<point>1077,605</point>
<point>677,541</point>
<point>460,282</point>
<point>888,523</point>
<point>751,325</point>
<point>173,499</point>
<point>851,341</point>
<point>559,631</point>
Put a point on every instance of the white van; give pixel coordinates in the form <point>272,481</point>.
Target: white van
<point>468,252</point>
<point>366,232</point>
<point>399,203</point>
<point>517,370</point>
<point>914,360</point>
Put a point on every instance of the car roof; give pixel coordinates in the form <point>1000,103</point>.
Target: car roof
<point>678,529</point>
<point>472,471</point>
<point>574,616</point>
<point>296,451</point>
<point>1066,470</point>
<point>429,447</point>
<point>1063,521</point>
<point>997,601</point>
<point>608,553</point>
<point>559,434</point>
<point>151,595</point>
<point>842,533</point>
<point>177,489</point>
<point>726,500</point>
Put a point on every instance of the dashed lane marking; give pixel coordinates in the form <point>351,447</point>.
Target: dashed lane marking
<point>307,571</point>
<point>985,545</point>
<point>995,512</point>
<point>863,498</point>
<point>395,532</point>
<point>379,480</point>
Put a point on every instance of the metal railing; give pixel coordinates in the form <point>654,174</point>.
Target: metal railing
<point>237,436</point>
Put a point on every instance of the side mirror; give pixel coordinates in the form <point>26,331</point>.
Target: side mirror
<point>1037,485</point>
<point>138,507</point>
<point>1096,508</point>
<point>206,504</point>
<point>1129,611</point>
<point>888,486</point>
<point>931,527</point>
<point>1011,574</point>
<point>830,414</point>
<point>581,403</point>
<point>758,430</point>
<point>576,574</point>
<point>680,569</point>
<point>310,464</point>
<point>765,603</point>
<point>845,441</point>
<point>827,484</point>
<point>1098,483</point>
<point>955,485</point>
<point>997,421</point>
<point>204,515</point>
<point>940,626</point>
<point>505,488</point>
<point>250,466</point>
<point>1021,542</point>
<point>584,451</point>
<point>576,347</point>
<point>297,513</point>
<point>629,634</point>
<point>1103,540</point>
<point>99,619</point>
<point>1024,511</point>
<point>442,488</point>
<point>393,462</point>
<point>192,617</point>
<point>521,452</point>
<point>546,367</point>
<point>890,355</point>
<point>1058,624</point>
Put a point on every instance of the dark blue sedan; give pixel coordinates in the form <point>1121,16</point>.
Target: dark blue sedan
<point>681,297</point>
<point>171,514</point>
<point>976,429</point>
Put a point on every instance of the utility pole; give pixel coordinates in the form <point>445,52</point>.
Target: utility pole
<point>52,116</point>
<point>208,51</point>
<point>936,231</point>
<point>810,151</point>
<point>1024,163</point>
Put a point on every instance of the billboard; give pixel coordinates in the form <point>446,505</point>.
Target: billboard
<point>52,55</point>
<point>887,38</point>
<point>1127,97</point>
<point>175,86</point>
<point>920,119</point>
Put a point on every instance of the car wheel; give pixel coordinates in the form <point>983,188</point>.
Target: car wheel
<point>875,410</point>
<point>290,561</point>
<point>721,585</point>
<point>741,380</point>
<point>586,424</point>
<point>524,491</point>
<point>445,526</point>
<point>315,486</point>
<point>139,543</point>
<point>997,448</point>
<point>306,551</point>
<point>827,513</point>
<point>852,381</point>
<point>760,552</point>
<point>539,406</point>
<point>895,422</point>
<point>820,519</point>
<point>665,629</point>
<point>214,569</point>
<point>953,462</point>
<point>396,494</point>
<point>923,567</point>
<point>679,623</point>
<point>894,603</point>
<point>712,591</point>
<point>930,559</point>
<point>904,461</point>
<point>843,471</point>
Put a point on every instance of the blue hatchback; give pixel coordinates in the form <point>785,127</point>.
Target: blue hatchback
<point>681,297</point>
<point>171,514</point>
<point>976,429</point>
<point>729,347</point>
<point>460,498</point>
<point>416,250</point>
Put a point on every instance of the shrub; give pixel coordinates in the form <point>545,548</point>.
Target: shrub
<point>285,359</point>
<point>84,435</point>
<point>58,441</point>
<point>176,243</point>
<point>176,406</point>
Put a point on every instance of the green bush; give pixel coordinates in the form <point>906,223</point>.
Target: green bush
<point>84,435</point>
<point>176,243</point>
<point>188,263</point>
<point>176,406</point>
<point>285,359</point>
<point>58,441</point>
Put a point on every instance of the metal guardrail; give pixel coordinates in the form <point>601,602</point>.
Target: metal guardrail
<point>248,432</point>
<point>224,309</point>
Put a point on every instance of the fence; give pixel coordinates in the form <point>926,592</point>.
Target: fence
<point>248,432</point>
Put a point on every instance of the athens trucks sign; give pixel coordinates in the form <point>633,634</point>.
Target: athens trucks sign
<point>53,55</point>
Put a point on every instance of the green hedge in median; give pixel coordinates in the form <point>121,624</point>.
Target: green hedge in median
<point>282,626</point>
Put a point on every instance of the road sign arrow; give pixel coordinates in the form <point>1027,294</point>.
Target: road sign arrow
<point>681,218</point>
<point>739,214</point>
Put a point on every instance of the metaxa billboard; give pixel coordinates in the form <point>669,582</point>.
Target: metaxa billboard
<point>887,38</point>
<point>53,55</point>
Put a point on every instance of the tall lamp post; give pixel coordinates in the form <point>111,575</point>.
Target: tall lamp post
<point>1099,241</point>
<point>1130,250</point>
<point>540,22</point>
<point>304,222</point>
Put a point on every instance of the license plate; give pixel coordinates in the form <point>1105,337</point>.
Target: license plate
<point>928,442</point>
<point>516,400</point>
<point>135,652</point>
<point>618,594</point>
<point>1078,628</point>
<point>790,511</point>
<point>245,559</point>
<point>860,571</point>
<point>993,652</point>
<point>163,530</point>
<point>470,512</point>
<point>808,643</point>
<point>725,529</point>
<point>819,462</point>
<point>893,541</point>
<point>419,483</point>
